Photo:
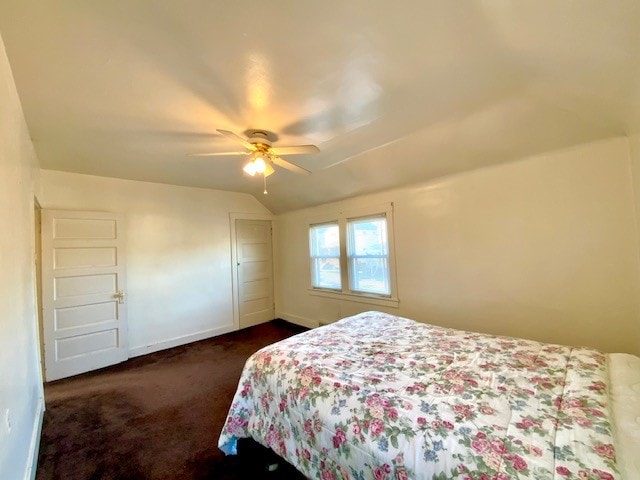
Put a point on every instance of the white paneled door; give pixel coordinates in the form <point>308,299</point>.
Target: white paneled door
<point>83,292</point>
<point>255,272</point>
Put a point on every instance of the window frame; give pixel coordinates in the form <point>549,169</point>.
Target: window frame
<point>345,293</point>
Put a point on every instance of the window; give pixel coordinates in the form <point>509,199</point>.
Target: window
<point>368,254</point>
<point>325,256</point>
<point>351,256</point>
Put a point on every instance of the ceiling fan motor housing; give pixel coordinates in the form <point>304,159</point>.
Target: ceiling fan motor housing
<point>260,137</point>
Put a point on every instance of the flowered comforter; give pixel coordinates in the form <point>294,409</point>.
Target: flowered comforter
<point>376,396</point>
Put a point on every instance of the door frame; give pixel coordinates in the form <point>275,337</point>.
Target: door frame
<point>37,276</point>
<point>235,288</point>
<point>32,459</point>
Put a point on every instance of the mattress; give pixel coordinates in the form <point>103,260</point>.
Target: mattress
<point>624,375</point>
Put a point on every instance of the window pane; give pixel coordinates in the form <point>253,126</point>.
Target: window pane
<point>370,275</point>
<point>368,237</point>
<point>325,240</point>
<point>325,273</point>
<point>325,256</point>
<point>368,251</point>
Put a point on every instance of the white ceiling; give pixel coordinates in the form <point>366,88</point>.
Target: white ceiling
<point>393,93</point>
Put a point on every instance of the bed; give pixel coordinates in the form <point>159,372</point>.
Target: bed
<point>376,396</point>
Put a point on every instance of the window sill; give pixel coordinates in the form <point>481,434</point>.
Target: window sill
<point>353,297</point>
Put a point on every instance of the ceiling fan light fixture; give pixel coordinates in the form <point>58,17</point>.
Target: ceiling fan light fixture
<point>259,164</point>
<point>250,168</point>
<point>269,170</point>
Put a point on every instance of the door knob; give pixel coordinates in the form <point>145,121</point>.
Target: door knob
<point>120,296</point>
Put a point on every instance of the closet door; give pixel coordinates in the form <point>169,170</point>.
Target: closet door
<point>255,272</point>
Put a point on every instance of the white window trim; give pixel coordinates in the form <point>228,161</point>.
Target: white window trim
<point>346,293</point>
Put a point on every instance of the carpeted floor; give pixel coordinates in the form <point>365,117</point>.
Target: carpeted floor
<point>157,416</point>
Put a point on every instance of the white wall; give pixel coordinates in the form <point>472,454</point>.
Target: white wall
<point>20,377</point>
<point>543,248</point>
<point>178,252</point>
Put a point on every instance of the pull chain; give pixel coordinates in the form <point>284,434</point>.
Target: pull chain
<point>265,185</point>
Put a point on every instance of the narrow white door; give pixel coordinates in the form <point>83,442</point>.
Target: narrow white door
<point>255,272</point>
<point>83,292</point>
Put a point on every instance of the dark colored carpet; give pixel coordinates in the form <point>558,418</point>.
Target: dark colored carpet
<point>157,416</point>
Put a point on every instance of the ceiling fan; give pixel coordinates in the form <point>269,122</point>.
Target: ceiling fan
<point>262,154</point>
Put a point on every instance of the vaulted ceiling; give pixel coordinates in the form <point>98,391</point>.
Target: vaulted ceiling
<point>393,93</point>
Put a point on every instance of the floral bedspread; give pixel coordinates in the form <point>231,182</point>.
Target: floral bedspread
<point>376,396</point>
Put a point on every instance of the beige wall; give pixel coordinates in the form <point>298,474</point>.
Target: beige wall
<point>178,252</point>
<point>21,396</point>
<point>543,248</point>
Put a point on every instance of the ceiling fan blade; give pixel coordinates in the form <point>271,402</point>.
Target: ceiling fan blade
<point>217,154</point>
<point>237,138</point>
<point>294,150</point>
<point>290,166</point>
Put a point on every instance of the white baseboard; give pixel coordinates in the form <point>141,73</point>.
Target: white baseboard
<point>177,341</point>
<point>305,322</point>
<point>34,445</point>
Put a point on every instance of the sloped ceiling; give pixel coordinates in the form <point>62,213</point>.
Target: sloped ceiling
<point>393,93</point>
